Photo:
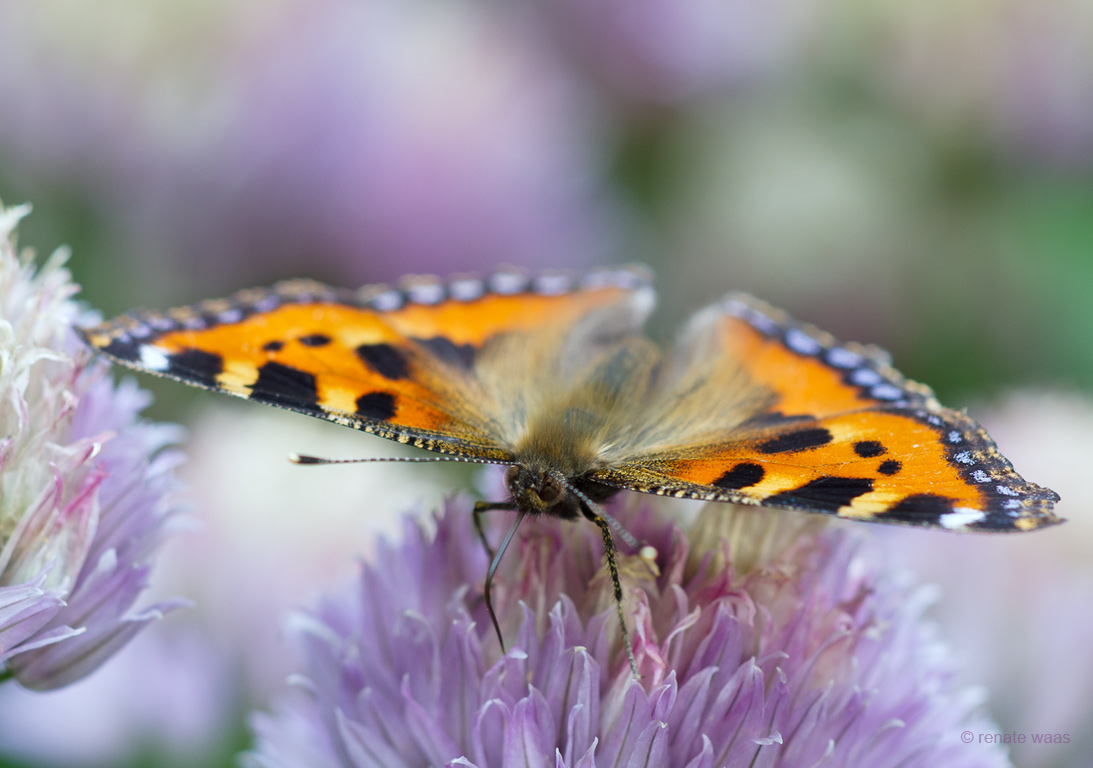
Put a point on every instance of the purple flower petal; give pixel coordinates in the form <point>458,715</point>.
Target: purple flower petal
<point>812,655</point>
<point>86,489</point>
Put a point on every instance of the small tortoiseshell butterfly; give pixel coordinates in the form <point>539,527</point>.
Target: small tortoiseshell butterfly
<point>551,375</point>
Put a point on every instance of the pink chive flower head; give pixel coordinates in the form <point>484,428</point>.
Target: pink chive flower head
<point>791,647</point>
<point>86,489</point>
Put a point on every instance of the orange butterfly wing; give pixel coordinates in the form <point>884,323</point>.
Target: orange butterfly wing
<point>396,361</point>
<point>819,426</point>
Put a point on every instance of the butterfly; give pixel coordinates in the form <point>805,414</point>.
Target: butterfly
<point>550,375</point>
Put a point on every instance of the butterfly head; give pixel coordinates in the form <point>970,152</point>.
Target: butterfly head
<point>540,491</point>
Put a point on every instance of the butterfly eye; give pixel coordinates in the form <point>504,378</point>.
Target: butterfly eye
<point>551,490</point>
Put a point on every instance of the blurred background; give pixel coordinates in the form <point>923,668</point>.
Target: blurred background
<point>917,175</point>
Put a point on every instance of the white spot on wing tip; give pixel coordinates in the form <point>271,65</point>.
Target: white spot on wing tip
<point>865,377</point>
<point>388,301</point>
<point>552,284</point>
<point>508,283</point>
<point>153,358</point>
<point>961,517</point>
<point>886,391</point>
<point>426,293</point>
<point>802,343</point>
<point>466,289</point>
<point>644,299</point>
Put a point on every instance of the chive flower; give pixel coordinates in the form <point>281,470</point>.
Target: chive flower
<point>87,489</point>
<point>761,639</point>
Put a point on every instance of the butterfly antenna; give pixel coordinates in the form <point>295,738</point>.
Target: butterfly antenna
<point>494,562</point>
<point>592,511</point>
<point>304,459</point>
<point>624,534</point>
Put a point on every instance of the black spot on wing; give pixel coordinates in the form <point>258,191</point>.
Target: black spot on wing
<point>273,346</point>
<point>123,349</point>
<point>314,340</point>
<point>867,449</point>
<point>824,494</point>
<point>447,351</point>
<point>283,385</point>
<point>742,475</point>
<point>195,365</point>
<point>792,442</point>
<point>920,509</point>
<point>890,467</point>
<point>385,360</point>
<point>376,406</point>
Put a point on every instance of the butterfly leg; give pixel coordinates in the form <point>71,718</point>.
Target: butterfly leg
<point>494,562</point>
<point>611,553</point>
<point>486,506</point>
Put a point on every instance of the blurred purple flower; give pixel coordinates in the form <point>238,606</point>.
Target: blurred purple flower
<point>403,137</point>
<point>86,489</point>
<point>360,140</point>
<point>664,51</point>
<point>802,654</point>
